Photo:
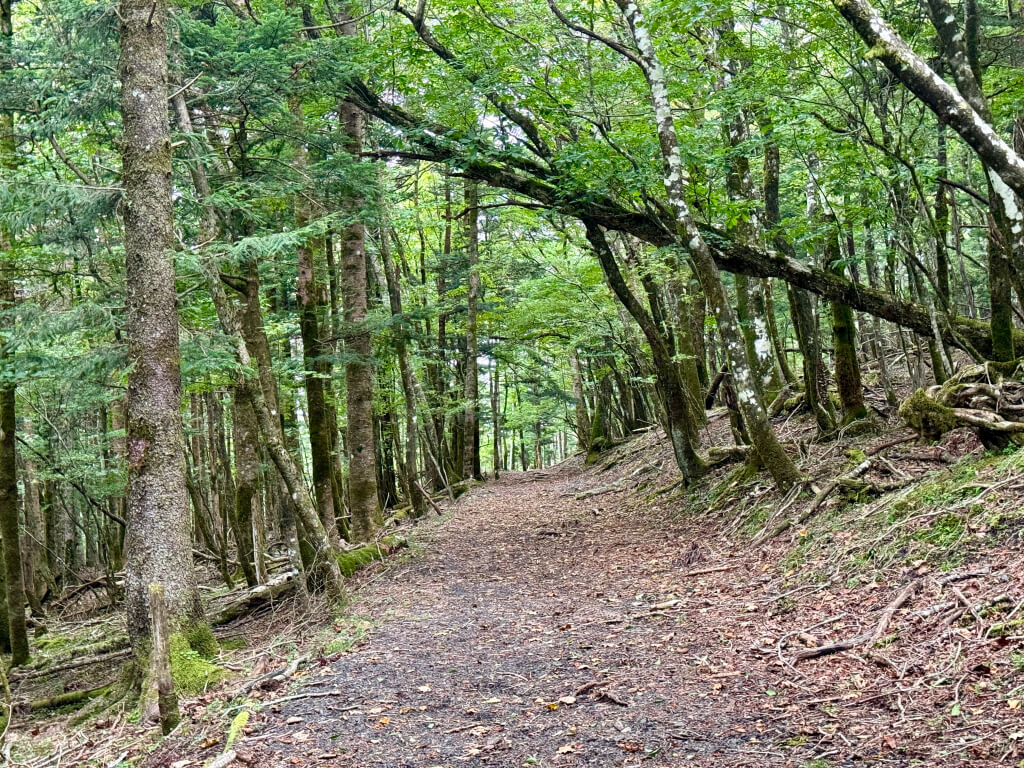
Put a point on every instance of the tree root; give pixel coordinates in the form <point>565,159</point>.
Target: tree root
<point>849,480</point>
<point>988,398</point>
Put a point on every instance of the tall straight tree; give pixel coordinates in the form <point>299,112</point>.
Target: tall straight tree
<point>13,582</point>
<point>470,459</point>
<point>362,460</point>
<point>158,542</point>
<point>410,460</point>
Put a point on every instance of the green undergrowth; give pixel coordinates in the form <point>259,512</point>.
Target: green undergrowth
<point>940,522</point>
<point>191,668</point>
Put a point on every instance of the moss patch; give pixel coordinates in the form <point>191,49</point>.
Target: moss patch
<point>191,672</point>
<point>931,420</point>
<point>350,562</point>
<point>233,643</point>
<point>201,640</point>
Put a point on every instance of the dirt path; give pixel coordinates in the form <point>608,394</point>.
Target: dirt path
<point>538,629</point>
<point>532,632</point>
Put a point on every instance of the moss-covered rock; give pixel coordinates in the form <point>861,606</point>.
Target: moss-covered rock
<point>191,672</point>
<point>930,419</point>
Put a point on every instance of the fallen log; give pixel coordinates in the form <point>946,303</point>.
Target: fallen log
<point>600,490</point>
<point>348,562</point>
<point>28,674</point>
<point>97,649</point>
<point>351,561</point>
<point>256,597</point>
<point>61,699</point>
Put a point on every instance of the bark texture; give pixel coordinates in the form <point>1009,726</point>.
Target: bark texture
<point>158,546</point>
<point>359,444</point>
<point>14,585</point>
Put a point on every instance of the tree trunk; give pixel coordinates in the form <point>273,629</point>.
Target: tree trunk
<point>679,425</point>
<point>317,372</point>
<point>582,417</point>
<point>406,373</point>
<point>245,436</point>
<point>496,417</point>
<point>781,467</point>
<point>470,458</point>
<point>844,339</point>
<point>9,512</point>
<point>158,542</point>
<point>805,325</point>
<point>35,528</point>
<point>359,370</point>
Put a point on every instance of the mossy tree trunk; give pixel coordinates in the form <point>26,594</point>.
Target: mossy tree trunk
<point>9,512</point>
<point>245,434</point>
<point>359,443</point>
<point>158,546</point>
<point>844,339</point>
<point>471,437</point>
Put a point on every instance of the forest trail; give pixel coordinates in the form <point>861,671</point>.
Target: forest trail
<point>536,630</point>
<point>587,616</point>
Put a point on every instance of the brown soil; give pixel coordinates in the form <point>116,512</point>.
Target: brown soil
<point>538,629</point>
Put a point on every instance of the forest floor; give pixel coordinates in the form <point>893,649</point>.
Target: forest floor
<point>573,617</point>
<point>606,616</point>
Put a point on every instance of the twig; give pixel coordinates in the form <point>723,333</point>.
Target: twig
<point>869,637</point>
<point>716,569</point>
<point>224,760</point>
